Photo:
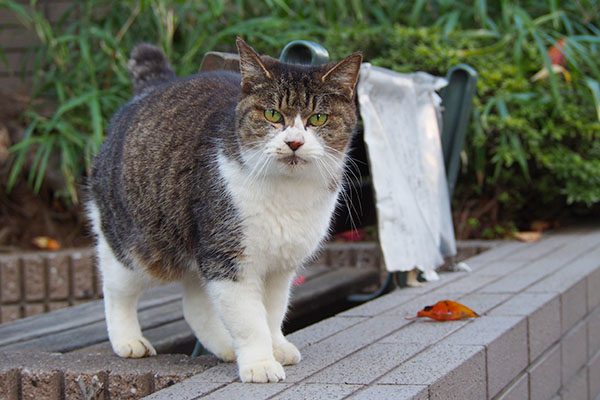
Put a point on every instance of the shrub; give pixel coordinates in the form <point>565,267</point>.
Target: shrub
<point>530,143</point>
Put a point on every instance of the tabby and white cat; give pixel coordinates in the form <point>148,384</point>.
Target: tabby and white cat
<point>227,183</point>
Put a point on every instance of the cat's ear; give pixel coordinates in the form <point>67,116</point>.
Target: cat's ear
<point>345,74</point>
<point>252,67</point>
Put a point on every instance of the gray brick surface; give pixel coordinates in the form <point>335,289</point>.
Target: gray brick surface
<point>238,390</point>
<point>576,388</point>
<point>574,351</point>
<point>452,371</point>
<point>379,305</point>
<point>10,278</point>
<point>482,303</point>
<point>543,311</point>
<point>593,289</point>
<point>545,375</point>
<point>517,390</point>
<point>413,392</point>
<point>58,276</point>
<point>593,333</point>
<point>317,391</point>
<point>322,330</point>
<point>366,365</point>
<point>505,339</point>
<point>424,332</point>
<point>573,305</point>
<point>594,376</point>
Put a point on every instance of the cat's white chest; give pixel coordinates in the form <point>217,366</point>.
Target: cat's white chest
<point>284,219</point>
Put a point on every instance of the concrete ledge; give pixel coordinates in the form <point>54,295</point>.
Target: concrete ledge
<point>538,336</point>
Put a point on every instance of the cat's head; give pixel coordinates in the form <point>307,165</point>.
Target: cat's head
<point>295,120</point>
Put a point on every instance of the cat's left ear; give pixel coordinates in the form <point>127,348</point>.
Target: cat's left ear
<point>252,67</point>
<point>345,74</point>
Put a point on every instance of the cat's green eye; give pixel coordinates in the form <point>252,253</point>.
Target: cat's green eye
<point>318,119</point>
<point>273,116</point>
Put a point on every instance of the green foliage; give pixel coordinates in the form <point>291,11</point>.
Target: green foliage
<point>529,141</point>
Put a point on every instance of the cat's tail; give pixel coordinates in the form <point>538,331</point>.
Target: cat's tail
<point>148,67</point>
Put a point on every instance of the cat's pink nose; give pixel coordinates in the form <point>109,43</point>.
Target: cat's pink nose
<point>294,145</point>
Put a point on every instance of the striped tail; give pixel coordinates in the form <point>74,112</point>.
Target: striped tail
<point>148,67</point>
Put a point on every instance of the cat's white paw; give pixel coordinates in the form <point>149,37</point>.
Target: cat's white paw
<point>262,372</point>
<point>137,347</point>
<point>227,355</point>
<point>286,353</point>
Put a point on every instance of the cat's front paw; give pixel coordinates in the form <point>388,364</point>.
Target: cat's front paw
<point>262,372</point>
<point>133,347</point>
<point>286,353</point>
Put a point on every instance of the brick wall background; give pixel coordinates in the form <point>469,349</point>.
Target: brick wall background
<point>15,39</point>
<point>37,282</point>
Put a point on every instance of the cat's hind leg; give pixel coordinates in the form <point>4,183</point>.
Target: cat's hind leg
<point>122,288</point>
<point>276,299</point>
<point>200,314</point>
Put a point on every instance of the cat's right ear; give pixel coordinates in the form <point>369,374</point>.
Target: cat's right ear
<point>251,66</point>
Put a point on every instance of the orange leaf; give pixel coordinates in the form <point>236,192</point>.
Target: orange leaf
<point>46,243</point>
<point>528,236</point>
<point>446,310</point>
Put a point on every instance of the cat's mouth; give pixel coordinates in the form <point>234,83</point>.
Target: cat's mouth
<point>293,160</point>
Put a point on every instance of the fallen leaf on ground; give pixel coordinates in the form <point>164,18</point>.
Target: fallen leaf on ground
<point>527,236</point>
<point>46,243</point>
<point>446,310</point>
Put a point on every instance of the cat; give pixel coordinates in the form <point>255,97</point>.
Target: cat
<point>226,182</point>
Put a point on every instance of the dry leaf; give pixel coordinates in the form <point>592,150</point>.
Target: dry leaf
<point>446,310</point>
<point>527,236</point>
<point>46,243</point>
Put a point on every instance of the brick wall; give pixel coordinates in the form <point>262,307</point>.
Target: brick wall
<point>37,282</point>
<point>15,39</point>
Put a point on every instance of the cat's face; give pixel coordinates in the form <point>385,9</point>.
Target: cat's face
<point>295,120</point>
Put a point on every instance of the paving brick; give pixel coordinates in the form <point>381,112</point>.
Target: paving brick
<point>594,376</point>
<point>10,313</point>
<point>500,267</point>
<point>545,375</point>
<point>238,390</point>
<point>368,256</point>
<point>488,257</point>
<point>85,385</point>
<point>576,388</point>
<point>424,332</point>
<point>10,279</point>
<point>574,351</point>
<point>34,309</point>
<point>418,302</point>
<point>468,284</point>
<point>380,358</point>
<point>83,275</point>
<point>317,391</point>
<point>482,303</point>
<point>378,305</point>
<point>58,276</point>
<point>413,392</point>
<point>452,371</point>
<point>57,305</point>
<point>9,383</point>
<point>593,333</point>
<point>340,255</point>
<point>321,330</point>
<point>34,277</point>
<point>543,312</point>
<point>517,390</point>
<point>189,389</point>
<point>514,282</point>
<point>573,305</point>
<point>593,290</point>
<point>129,385</point>
<point>536,250</point>
<point>41,384</point>
<point>505,339</point>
